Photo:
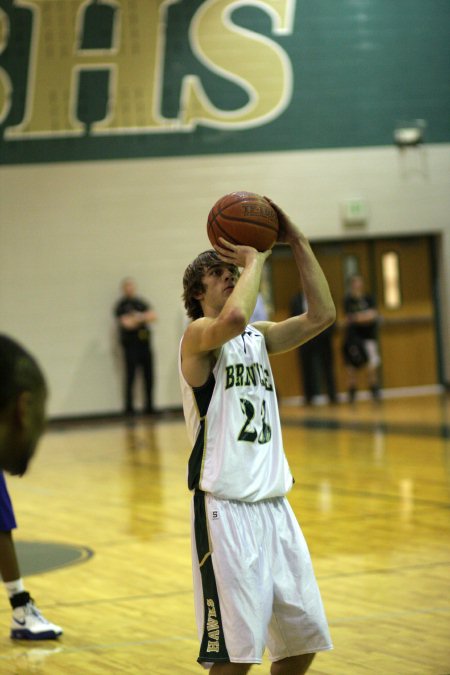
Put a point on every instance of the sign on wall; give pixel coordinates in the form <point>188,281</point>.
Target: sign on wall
<point>127,78</point>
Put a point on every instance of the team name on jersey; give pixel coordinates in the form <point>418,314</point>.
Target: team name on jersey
<point>240,375</point>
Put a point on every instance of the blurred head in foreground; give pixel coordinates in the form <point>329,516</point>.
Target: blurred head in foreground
<point>23,398</point>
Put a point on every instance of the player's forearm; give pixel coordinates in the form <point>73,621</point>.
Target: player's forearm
<point>243,299</point>
<point>320,303</point>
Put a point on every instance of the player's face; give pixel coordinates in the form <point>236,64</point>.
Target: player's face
<point>219,282</point>
<point>24,438</point>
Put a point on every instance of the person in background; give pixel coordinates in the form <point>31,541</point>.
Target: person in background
<point>134,316</point>
<point>361,319</point>
<point>260,312</point>
<point>23,396</point>
<point>315,358</point>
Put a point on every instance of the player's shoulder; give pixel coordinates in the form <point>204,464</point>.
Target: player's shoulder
<point>192,332</point>
<point>261,327</point>
<point>195,325</point>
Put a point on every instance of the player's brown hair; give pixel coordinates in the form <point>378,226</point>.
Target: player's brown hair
<point>193,280</point>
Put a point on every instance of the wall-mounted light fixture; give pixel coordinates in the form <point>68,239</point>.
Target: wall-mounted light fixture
<point>409,134</point>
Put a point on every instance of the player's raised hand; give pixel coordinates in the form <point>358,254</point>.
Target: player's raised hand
<point>288,231</point>
<point>237,254</point>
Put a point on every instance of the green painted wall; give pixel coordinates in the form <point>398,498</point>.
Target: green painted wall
<point>335,73</point>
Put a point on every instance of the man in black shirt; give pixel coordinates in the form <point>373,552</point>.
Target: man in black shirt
<point>134,316</point>
<point>362,324</point>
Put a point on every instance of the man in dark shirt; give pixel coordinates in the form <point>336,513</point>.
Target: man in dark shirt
<point>316,358</point>
<point>134,316</point>
<point>362,322</point>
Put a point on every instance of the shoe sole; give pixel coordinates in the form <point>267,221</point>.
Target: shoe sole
<point>24,634</point>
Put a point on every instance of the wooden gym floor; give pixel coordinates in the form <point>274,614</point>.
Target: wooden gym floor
<point>372,496</point>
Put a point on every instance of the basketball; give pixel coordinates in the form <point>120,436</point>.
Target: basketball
<point>243,218</point>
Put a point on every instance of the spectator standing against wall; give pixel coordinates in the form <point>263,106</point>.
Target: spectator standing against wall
<point>134,316</point>
<point>361,318</point>
<point>315,358</point>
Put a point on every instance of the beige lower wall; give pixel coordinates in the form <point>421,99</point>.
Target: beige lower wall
<point>70,232</point>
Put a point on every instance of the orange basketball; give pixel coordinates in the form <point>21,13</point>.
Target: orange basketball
<point>243,218</point>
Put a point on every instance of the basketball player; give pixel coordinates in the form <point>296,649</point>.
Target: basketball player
<point>23,394</point>
<point>253,580</point>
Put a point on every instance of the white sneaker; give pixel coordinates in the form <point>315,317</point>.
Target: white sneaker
<point>29,624</point>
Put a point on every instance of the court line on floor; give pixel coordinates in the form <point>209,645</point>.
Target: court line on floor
<point>109,599</point>
<point>152,596</point>
<point>62,649</point>
<point>389,615</point>
<point>400,428</point>
<point>113,646</point>
<point>385,570</point>
<point>419,501</point>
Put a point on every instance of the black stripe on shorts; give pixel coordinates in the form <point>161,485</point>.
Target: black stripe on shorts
<point>213,646</point>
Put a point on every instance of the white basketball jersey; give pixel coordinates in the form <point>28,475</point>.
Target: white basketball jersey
<point>234,425</point>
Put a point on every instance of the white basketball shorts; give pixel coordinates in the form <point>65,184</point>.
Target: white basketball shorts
<point>254,584</point>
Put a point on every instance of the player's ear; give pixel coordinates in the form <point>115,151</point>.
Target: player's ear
<point>23,409</point>
<point>200,293</point>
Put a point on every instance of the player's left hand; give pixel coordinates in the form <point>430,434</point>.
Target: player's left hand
<point>237,254</point>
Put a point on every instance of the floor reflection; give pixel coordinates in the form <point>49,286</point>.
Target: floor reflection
<point>141,473</point>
